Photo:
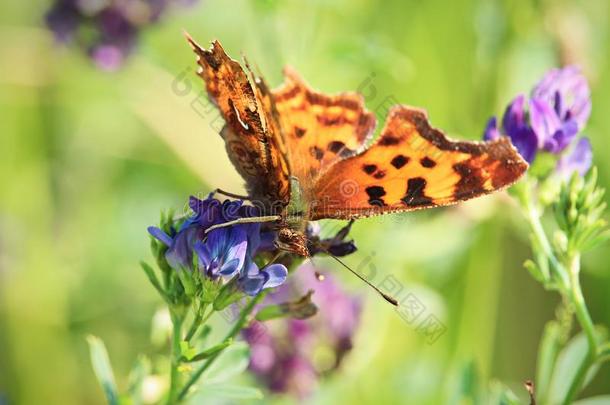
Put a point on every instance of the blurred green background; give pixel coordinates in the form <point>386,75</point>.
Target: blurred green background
<point>89,158</point>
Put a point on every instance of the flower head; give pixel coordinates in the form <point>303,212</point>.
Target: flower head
<point>515,126</point>
<point>226,252</point>
<point>112,28</point>
<point>579,159</point>
<point>284,351</point>
<point>550,119</point>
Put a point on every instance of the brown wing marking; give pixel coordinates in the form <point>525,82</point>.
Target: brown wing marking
<point>413,166</point>
<point>251,135</point>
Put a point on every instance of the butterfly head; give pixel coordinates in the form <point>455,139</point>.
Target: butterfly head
<point>292,241</point>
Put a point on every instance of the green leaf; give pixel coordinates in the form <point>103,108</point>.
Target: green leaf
<point>209,352</point>
<point>547,356</point>
<point>186,350</point>
<point>150,273</point>
<point>210,392</point>
<point>229,293</point>
<point>469,382</point>
<point>139,372</point>
<point>601,400</point>
<point>231,362</point>
<point>568,363</point>
<point>103,369</point>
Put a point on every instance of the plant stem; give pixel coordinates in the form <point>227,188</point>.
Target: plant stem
<point>569,284</point>
<point>584,319</point>
<point>538,231</point>
<point>241,321</point>
<point>177,321</point>
<point>196,322</point>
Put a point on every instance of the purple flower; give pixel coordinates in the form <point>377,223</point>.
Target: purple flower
<point>226,252</point>
<point>515,126</point>
<point>578,160</point>
<point>550,119</point>
<point>283,349</point>
<point>108,57</point>
<point>252,279</point>
<point>111,28</point>
<point>223,252</point>
<point>560,108</point>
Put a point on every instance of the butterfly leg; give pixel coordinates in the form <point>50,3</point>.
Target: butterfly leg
<point>248,220</point>
<point>231,195</point>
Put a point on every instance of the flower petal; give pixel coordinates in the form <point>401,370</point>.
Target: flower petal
<point>160,235</point>
<point>230,267</point>
<point>252,285</point>
<point>277,274</point>
<point>180,254</point>
<point>237,246</point>
<point>203,253</point>
<point>491,131</point>
<point>514,116</point>
<point>545,123</point>
<point>579,159</point>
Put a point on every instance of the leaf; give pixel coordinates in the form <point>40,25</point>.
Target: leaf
<point>209,352</point>
<point>150,273</point>
<point>139,372</point>
<point>601,400</point>
<point>186,350</point>
<point>231,362</point>
<point>547,356</point>
<point>568,363</point>
<point>103,369</point>
<point>209,392</point>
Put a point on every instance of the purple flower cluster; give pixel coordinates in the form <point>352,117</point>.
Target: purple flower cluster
<point>108,29</point>
<point>290,355</point>
<point>226,252</point>
<point>550,120</point>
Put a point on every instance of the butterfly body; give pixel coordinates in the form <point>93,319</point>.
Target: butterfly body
<point>305,155</point>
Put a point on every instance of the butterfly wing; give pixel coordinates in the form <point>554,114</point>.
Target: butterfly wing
<point>413,166</point>
<point>319,129</point>
<point>251,133</point>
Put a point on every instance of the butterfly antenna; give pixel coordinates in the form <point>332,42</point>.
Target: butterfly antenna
<point>385,296</point>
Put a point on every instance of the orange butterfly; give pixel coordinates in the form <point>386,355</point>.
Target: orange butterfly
<point>306,155</point>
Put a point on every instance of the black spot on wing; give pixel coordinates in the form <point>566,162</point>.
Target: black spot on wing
<point>369,169</point>
<point>471,181</point>
<point>316,152</point>
<point>375,194</point>
<point>336,146</point>
<point>427,162</point>
<point>299,132</point>
<point>415,195</point>
<point>399,161</point>
<point>389,140</point>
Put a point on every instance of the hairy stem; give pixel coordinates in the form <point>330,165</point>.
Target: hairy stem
<point>177,321</point>
<point>241,322</point>
<point>533,217</point>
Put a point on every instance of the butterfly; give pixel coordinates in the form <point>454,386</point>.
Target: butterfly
<point>306,155</point>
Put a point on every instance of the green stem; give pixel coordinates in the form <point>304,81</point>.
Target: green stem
<point>177,321</point>
<point>196,323</point>
<point>570,285</point>
<point>584,319</point>
<point>241,321</point>
<point>538,231</point>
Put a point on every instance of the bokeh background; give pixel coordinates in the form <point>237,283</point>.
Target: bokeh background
<point>88,158</point>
